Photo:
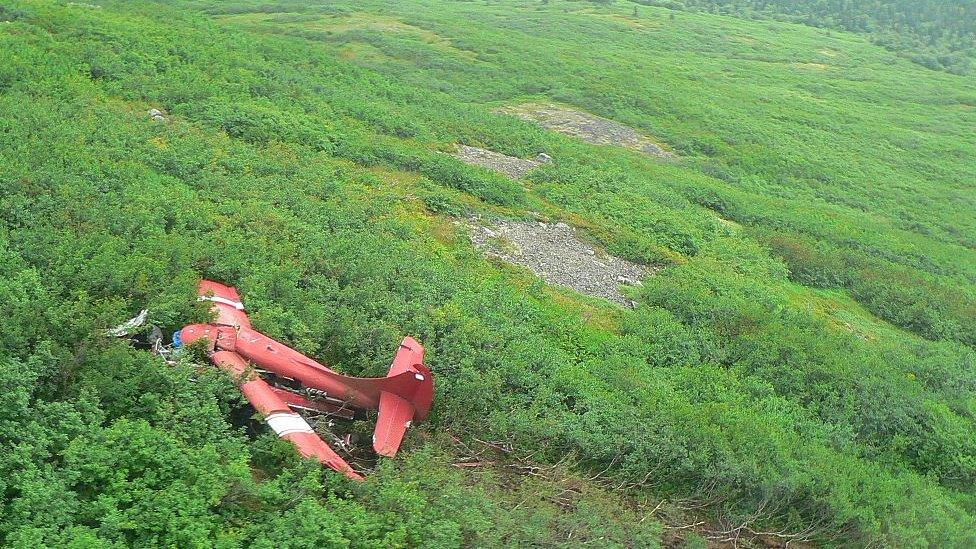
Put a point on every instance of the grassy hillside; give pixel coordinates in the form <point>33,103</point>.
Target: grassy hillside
<point>936,34</point>
<point>801,367</point>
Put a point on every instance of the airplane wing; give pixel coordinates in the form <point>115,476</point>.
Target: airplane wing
<point>279,416</point>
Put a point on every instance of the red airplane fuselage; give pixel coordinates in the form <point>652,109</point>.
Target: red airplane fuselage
<point>403,396</point>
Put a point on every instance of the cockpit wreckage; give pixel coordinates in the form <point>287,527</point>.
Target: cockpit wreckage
<point>280,382</point>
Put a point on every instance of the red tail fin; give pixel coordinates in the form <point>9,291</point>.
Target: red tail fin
<point>396,412</point>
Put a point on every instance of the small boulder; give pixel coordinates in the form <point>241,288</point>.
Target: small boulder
<point>155,112</point>
<point>543,158</point>
<point>158,118</point>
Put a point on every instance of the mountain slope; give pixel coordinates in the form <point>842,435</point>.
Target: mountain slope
<point>802,363</point>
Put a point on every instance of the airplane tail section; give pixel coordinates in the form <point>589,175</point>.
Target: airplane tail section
<point>400,406</point>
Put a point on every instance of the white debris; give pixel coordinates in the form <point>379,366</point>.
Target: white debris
<point>126,327</point>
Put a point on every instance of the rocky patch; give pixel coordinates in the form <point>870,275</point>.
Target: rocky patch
<point>588,127</point>
<point>555,254</point>
<point>511,166</point>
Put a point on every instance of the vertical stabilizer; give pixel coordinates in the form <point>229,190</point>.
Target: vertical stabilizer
<point>395,412</point>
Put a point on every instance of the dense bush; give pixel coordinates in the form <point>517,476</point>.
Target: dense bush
<point>937,35</point>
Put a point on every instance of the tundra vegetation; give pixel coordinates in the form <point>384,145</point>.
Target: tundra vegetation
<point>800,366</point>
<point>936,34</point>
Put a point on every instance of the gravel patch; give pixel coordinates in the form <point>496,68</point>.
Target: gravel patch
<point>588,127</point>
<point>509,165</point>
<point>555,254</point>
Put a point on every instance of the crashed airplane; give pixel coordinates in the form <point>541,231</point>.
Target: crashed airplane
<point>402,397</point>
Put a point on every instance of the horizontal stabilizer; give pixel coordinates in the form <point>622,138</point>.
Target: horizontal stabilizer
<point>395,416</point>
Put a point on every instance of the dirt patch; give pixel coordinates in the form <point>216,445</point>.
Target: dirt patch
<point>363,54</point>
<point>387,25</point>
<point>371,22</point>
<point>734,225</point>
<point>626,20</point>
<point>511,166</point>
<point>812,66</point>
<point>587,127</point>
<point>352,23</point>
<point>555,254</point>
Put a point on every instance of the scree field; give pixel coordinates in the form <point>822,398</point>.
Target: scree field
<point>796,368</point>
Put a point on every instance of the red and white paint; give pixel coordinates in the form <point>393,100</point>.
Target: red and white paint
<point>402,397</point>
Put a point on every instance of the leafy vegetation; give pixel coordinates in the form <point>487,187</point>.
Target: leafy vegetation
<point>936,34</point>
<point>802,363</point>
